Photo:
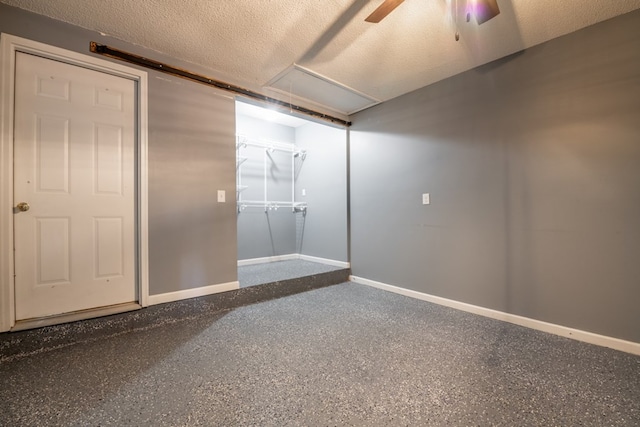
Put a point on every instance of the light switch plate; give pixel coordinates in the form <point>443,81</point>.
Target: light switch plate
<point>304,191</point>
<point>221,196</point>
<point>426,199</point>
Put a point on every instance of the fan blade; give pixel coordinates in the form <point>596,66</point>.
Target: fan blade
<point>486,9</point>
<point>383,10</point>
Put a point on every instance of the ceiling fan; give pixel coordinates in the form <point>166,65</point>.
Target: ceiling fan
<point>482,9</point>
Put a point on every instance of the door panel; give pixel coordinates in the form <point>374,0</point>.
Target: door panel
<point>52,154</point>
<point>52,251</point>
<point>109,254</point>
<point>74,165</point>
<point>108,171</point>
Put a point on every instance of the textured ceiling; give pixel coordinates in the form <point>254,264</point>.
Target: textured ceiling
<point>249,42</point>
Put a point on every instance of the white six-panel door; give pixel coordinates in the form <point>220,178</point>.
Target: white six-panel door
<point>74,166</point>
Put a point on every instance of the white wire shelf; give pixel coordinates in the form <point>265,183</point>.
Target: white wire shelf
<point>271,205</point>
<point>270,146</point>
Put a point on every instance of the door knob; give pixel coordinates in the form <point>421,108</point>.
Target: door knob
<point>23,206</point>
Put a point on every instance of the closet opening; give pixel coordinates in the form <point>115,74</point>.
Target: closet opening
<point>291,197</point>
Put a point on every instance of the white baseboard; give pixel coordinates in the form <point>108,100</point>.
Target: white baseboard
<point>192,293</point>
<point>265,260</point>
<point>289,257</point>
<point>576,334</point>
<point>325,261</point>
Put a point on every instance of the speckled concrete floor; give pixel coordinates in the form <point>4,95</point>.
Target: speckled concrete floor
<point>251,275</point>
<point>340,355</point>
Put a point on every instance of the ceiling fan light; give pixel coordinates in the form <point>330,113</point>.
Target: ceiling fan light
<point>486,10</point>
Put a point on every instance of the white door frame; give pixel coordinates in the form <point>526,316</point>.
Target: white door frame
<point>9,45</point>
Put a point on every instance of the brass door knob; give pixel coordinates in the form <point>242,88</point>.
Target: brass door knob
<point>23,206</point>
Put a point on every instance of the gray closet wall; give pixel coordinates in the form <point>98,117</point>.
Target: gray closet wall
<point>322,173</point>
<point>271,233</point>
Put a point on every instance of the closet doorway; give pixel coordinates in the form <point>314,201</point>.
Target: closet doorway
<point>291,196</point>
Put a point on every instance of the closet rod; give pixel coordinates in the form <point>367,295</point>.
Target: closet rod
<point>111,52</point>
<point>277,146</point>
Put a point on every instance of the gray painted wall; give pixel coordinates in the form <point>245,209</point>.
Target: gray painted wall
<point>192,237</point>
<point>191,154</point>
<point>264,234</point>
<point>322,232</point>
<point>532,163</point>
